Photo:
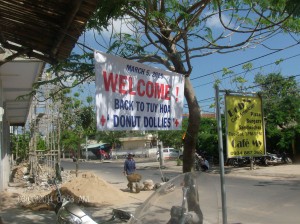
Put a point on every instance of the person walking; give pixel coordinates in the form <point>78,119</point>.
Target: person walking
<point>129,165</point>
<point>129,172</point>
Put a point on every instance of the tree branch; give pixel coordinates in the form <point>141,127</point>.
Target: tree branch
<point>252,30</point>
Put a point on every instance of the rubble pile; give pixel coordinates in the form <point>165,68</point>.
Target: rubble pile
<point>18,174</point>
<point>87,189</point>
<point>148,185</point>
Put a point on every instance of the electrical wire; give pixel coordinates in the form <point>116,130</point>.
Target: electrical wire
<point>250,87</point>
<point>271,82</point>
<point>242,63</point>
<point>206,99</point>
<point>285,59</point>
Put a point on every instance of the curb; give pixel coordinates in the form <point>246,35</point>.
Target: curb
<point>288,172</point>
<point>279,171</point>
<point>270,171</point>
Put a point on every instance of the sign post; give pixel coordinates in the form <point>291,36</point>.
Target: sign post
<point>245,131</point>
<point>221,157</point>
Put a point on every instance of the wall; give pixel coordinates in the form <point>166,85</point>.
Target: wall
<point>2,155</point>
<point>4,147</point>
<point>133,143</point>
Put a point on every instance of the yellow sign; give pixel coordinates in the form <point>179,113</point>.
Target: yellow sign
<point>245,126</point>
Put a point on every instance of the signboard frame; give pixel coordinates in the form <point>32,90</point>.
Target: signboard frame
<point>245,127</point>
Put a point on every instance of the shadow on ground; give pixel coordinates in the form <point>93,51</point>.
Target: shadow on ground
<point>22,216</point>
<point>19,215</point>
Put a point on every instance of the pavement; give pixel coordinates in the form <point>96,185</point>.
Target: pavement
<point>278,171</point>
<point>18,215</point>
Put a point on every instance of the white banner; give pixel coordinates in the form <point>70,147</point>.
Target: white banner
<point>134,96</point>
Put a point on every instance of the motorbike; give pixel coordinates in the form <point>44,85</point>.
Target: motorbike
<point>239,161</point>
<point>103,155</point>
<point>285,159</point>
<point>273,159</point>
<point>188,198</point>
<point>200,163</point>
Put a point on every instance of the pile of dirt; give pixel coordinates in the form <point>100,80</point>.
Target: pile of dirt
<point>95,190</point>
<point>87,189</point>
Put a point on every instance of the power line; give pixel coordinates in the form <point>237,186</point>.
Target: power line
<point>207,105</point>
<point>250,87</point>
<point>203,100</point>
<point>213,98</point>
<point>273,81</point>
<point>253,59</point>
<point>285,59</point>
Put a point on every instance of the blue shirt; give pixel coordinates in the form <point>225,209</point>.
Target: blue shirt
<point>129,166</point>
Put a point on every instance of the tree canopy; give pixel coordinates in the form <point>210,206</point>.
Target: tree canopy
<point>281,97</point>
<point>172,34</point>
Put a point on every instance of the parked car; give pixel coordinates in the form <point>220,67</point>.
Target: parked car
<point>170,153</point>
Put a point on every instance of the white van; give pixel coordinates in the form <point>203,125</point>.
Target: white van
<point>170,154</point>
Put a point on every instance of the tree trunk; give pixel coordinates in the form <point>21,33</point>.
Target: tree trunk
<point>193,127</point>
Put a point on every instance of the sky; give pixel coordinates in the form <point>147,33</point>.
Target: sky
<point>207,69</point>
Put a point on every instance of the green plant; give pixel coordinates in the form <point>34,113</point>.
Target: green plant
<point>179,162</point>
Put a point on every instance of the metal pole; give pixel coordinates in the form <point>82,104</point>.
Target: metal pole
<point>86,152</point>
<point>221,159</point>
<point>161,155</point>
<point>58,143</point>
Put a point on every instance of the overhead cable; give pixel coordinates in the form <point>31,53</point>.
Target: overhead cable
<point>242,63</point>
<point>227,77</point>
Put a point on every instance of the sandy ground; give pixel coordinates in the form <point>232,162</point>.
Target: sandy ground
<point>89,187</point>
<point>88,190</point>
<point>20,205</point>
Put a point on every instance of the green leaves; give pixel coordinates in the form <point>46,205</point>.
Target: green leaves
<point>173,138</point>
<point>239,79</point>
<point>106,10</point>
<point>227,71</point>
<point>281,98</point>
<point>278,61</point>
<point>209,34</point>
<point>172,33</point>
<point>71,140</point>
<point>293,7</point>
<point>247,66</point>
<point>87,117</point>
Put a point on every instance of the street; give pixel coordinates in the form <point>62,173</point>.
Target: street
<point>249,200</point>
<point>263,201</point>
<point>268,195</point>
<point>112,172</point>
